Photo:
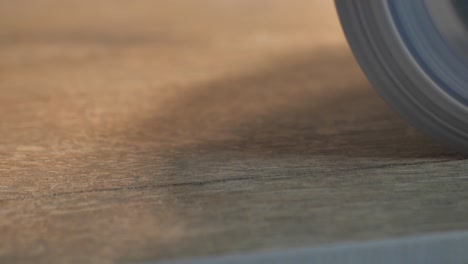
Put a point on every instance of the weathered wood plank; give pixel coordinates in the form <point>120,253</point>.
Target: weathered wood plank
<point>152,130</point>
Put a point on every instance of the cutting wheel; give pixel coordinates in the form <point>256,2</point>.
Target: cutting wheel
<point>415,53</point>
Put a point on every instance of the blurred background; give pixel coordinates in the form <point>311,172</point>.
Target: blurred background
<point>139,130</point>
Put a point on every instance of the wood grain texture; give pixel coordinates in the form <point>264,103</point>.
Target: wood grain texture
<point>136,130</point>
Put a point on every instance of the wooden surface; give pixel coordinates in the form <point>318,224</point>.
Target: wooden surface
<point>137,130</point>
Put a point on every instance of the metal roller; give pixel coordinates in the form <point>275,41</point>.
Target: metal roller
<point>415,53</point>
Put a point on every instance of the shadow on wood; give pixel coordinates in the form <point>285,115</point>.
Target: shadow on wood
<point>307,104</point>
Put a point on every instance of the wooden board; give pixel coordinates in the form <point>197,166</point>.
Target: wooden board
<point>140,130</point>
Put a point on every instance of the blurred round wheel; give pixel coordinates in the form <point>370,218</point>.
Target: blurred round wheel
<point>415,53</point>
